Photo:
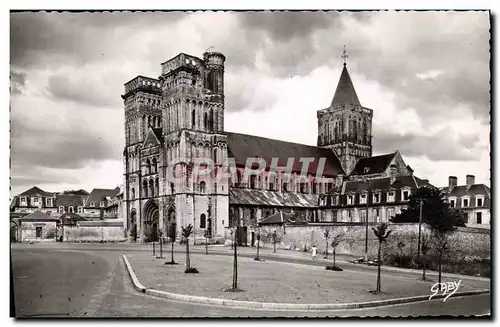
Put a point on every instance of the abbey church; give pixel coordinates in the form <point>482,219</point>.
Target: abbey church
<point>179,117</point>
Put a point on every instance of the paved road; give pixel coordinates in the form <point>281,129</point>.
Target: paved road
<point>83,281</point>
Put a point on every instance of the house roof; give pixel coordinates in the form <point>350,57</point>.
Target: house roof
<point>38,216</point>
<point>270,198</point>
<point>380,184</point>
<point>100,194</point>
<point>34,191</point>
<point>461,190</point>
<point>70,200</point>
<point>345,92</point>
<point>242,146</point>
<point>373,165</point>
<point>275,219</point>
<point>280,218</point>
<point>70,218</point>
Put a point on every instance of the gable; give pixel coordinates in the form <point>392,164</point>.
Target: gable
<point>151,139</point>
<point>373,165</point>
<point>398,161</point>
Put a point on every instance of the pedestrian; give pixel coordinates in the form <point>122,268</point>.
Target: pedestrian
<point>314,251</point>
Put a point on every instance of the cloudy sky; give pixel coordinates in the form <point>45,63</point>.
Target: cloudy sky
<point>425,75</point>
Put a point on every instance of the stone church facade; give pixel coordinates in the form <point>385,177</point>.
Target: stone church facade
<point>178,118</point>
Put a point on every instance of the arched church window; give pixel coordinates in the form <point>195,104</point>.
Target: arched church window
<point>212,122</point>
<point>145,189</point>
<point>154,166</point>
<point>193,118</point>
<point>203,221</point>
<point>148,167</point>
<point>205,120</point>
<point>132,194</point>
<point>151,188</point>
<point>172,188</point>
<point>202,187</point>
<point>157,187</point>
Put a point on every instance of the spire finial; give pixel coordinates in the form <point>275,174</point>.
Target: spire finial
<point>344,55</point>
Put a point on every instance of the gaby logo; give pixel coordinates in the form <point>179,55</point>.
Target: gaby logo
<point>447,288</point>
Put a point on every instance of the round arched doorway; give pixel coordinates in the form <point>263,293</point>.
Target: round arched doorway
<point>151,220</point>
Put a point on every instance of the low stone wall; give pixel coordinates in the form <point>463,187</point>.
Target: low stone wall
<point>462,243</point>
<point>28,231</point>
<point>95,231</point>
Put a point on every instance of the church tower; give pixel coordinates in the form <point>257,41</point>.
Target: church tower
<point>345,126</point>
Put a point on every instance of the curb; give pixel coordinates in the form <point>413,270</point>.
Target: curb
<point>135,281</point>
<point>282,306</point>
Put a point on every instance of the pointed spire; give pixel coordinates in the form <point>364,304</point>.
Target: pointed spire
<point>345,92</point>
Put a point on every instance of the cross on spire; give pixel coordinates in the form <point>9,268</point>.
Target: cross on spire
<point>344,55</point>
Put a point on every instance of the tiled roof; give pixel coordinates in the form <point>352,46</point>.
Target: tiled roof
<point>100,194</point>
<point>70,200</point>
<point>275,219</point>
<point>345,92</point>
<point>461,190</point>
<point>70,218</point>
<point>373,165</point>
<point>423,182</point>
<point>279,218</point>
<point>38,216</point>
<point>242,146</point>
<point>380,184</point>
<point>34,191</point>
<point>243,196</point>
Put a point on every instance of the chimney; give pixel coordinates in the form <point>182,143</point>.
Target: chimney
<point>470,180</point>
<point>393,171</point>
<point>452,182</point>
<point>339,180</point>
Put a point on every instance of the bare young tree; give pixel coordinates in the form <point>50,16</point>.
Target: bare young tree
<point>326,234</point>
<point>336,240</point>
<point>186,232</point>
<point>382,233</point>
<point>401,245</point>
<point>258,246</point>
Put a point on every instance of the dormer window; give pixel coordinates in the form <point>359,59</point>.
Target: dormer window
<point>376,197</point>
<point>465,202</point>
<point>350,199</point>
<point>405,195</point>
<point>390,196</point>
<point>23,202</point>
<point>366,170</point>
<point>101,204</point>
<point>452,203</point>
<point>80,209</point>
<point>362,198</point>
<point>48,202</point>
<point>479,201</point>
<point>61,209</point>
<point>92,204</point>
<point>70,209</point>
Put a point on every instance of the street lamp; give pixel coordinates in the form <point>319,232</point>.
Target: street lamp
<point>419,229</point>
<point>366,218</point>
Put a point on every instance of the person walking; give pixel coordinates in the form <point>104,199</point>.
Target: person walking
<point>314,252</point>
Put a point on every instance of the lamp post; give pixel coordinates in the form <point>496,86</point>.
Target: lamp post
<point>419,229</point>
<point>366,218</point>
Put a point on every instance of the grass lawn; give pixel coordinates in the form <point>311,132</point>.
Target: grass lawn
<point>269,281</point>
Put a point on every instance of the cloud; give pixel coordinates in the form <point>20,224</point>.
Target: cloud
<point>443,145</point>
<point>17,82</point>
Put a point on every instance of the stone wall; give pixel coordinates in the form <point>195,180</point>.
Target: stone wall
<point>28,231</point>
<point>463,242</point>
<point>96,232</point>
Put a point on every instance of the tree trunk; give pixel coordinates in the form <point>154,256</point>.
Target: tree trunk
<point>161,248</point>
<point>439,268</point>
<point>334,256</point>
<point>326,251</point>
<point>235,263</point>
<point>258,247</point>
<point>206,245</point>
<point>424,277</point>
<point>188,263</point>
<point>378,270</point>
<point>172,251</point>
